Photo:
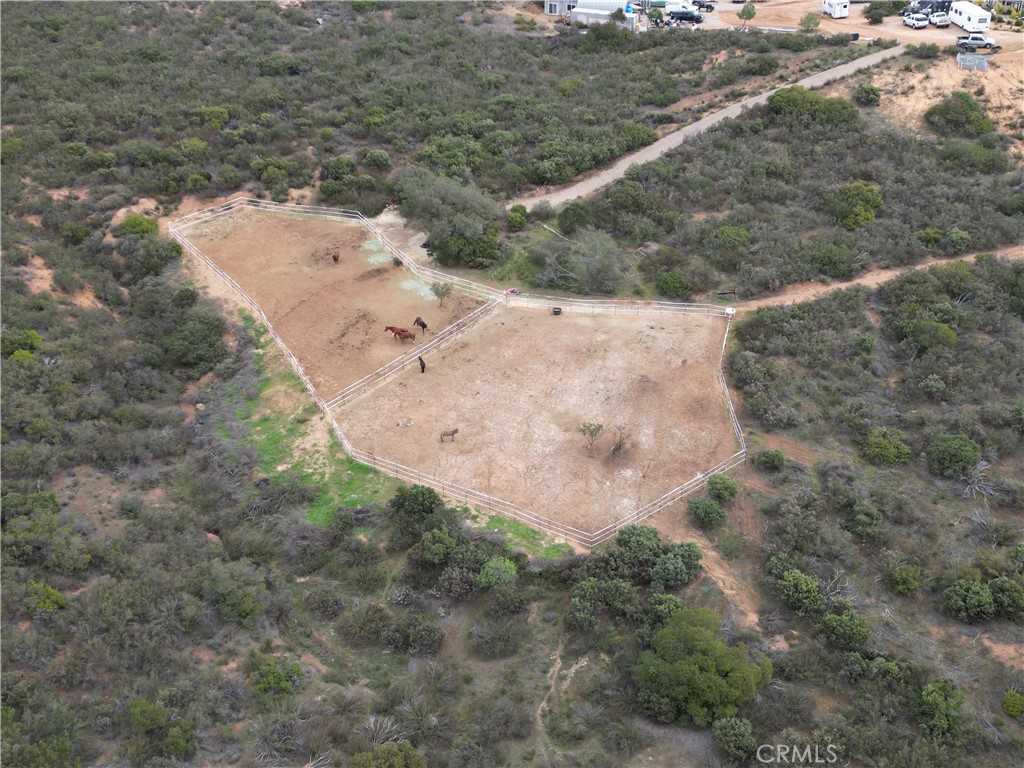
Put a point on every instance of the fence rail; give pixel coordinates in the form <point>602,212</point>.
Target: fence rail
<point>385,372</point>
<point>446,489</point>
<point>427,274</point>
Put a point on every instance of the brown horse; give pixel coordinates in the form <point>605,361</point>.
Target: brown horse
<point>336,257</point>
<point>449,433</point>
<point>420,323</point>
<point>401,333</point>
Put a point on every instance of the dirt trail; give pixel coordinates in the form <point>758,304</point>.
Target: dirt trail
<point>590,184</point>
<point>538,716</point>
<point>801,292</point>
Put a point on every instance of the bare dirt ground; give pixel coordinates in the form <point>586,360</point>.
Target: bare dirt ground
<point>332,316</point>
<point>518,387</point>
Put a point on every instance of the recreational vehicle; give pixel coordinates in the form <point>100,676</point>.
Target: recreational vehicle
<point>969,17</point>
<point>837,9</point>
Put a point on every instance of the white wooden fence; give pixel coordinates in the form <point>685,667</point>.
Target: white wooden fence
<point>493,297</point>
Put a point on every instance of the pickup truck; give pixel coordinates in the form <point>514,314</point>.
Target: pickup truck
<point>704,5</point>
<point>974,41</point>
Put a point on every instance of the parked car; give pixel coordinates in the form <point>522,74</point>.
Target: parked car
<point>690,17</point>
<point>915,21</point>
<point>939,19</point>
<point>974,41</point>
<point>704,5</point>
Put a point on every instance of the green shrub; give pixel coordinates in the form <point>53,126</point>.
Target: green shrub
<point>770,461</point>
<point>690,676</point>
<point>516,219</point>
<point>707,513</point>
<point>885,447</point>
<point>855,205</point>
<point>673,284</point>
<point>938,710</point>
<point>14,339</point>
<point>953,456</point>
<point>867,95</point>
<point>1008,596</point>
<point>1013,704</point>
<point>969,601</point>
<point>848,631</point>
<point>959,115</point>
<point>722,488</point>
<point>497,572</point>
<point>903,579</point>
<point>801,592</point>
<point>393,755</point>
<point>735,737</point>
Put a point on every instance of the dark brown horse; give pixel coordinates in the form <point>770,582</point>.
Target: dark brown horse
<point>401,333</point>
<point>336,257</point>
<point>420,323</point>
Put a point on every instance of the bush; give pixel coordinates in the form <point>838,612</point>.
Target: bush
<point>855,205</point>
<point>770,461</point>
<point>847,631</point>
<point>867,95</point>
<point>497,572</point>
<point>938,710</point>
<point>735,737</point>
<point>722,489</point>
<point>678,566</point>
<point>885,447</point>
<point>959,115</point>
<point>1013,704</point>
<point>953,456</point>
<point>516,219</point>
<point>1008,596</point>
<point>969,601</point>
<point>903,579</point>
<point>690,676</point>
<point>801,592</point>
<point>137,224</point>
<point>673,284</point>
<point>707,513</point>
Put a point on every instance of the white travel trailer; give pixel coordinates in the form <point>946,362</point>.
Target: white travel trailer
<point>837,9</point>
<point>970,17</point>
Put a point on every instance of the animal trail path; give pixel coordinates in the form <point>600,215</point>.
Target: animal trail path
<point>596,181</point>
<point>797,293</point>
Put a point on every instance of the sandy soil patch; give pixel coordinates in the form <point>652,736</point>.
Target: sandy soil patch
<point>331,316</point>
<point>520,384</point>
<point>146,206</point>
<point>38,276</point>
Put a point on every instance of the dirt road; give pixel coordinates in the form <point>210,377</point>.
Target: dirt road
<point>593,182</point>
<point>801,292</point>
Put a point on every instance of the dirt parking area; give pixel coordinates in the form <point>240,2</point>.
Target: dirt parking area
<point>518,387</point>
<point>331,316</point>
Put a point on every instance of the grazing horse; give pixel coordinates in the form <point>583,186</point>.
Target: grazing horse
<point>420,323</point>
<point>336,257</point>
<point>449,433</point>
<point>401,333</point>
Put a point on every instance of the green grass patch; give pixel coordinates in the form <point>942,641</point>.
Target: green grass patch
<point>527,539</point>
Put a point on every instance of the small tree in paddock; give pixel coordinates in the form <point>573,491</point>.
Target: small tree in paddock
<point>591,432</point>
<point>442,291</point>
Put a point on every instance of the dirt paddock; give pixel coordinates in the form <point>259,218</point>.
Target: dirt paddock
<point>517,386</point>
<point>331,316</point>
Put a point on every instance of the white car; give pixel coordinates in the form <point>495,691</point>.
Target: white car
<point>915,21</point>
<point>939,19</point>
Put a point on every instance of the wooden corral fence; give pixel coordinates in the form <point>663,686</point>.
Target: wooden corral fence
<point>494,298</point>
